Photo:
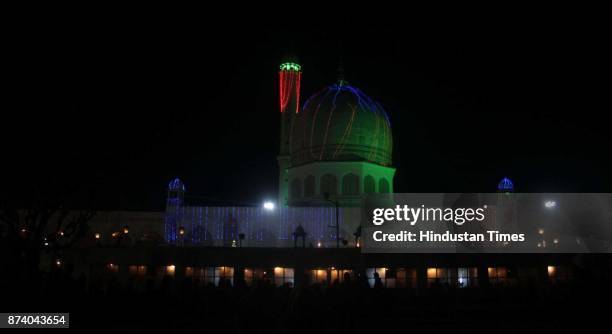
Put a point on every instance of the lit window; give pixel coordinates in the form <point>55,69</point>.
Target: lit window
<point>139,271</point>
<point>498,275</point>
<point>431,273</point>
<point>339,274</point>
<point>283,276</point>
<point>436,276</point>
<point>222,273</point>
<point>213,275</point>
<point>252,275</point>
<point>467,277</point>
<point>167,270</point>
<point>559,273</point>
<point>112,268</point>
<point>170,270</point>
<point>382,274</point>
<point>318,276</point>
<point>406,278</point>
<point>390,278</point>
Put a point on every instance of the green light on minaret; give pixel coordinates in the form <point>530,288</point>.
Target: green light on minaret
<point>290,67</point>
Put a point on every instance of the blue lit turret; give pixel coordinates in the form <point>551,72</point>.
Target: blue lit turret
<point>505,185</point>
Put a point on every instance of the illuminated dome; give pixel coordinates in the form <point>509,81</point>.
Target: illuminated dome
<point>341,123</point>
<point>176,185</point>
<point>505,185</point>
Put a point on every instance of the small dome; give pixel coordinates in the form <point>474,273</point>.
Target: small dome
<point>341,123</point>
<point>505,185</point>
<point>176,185</point>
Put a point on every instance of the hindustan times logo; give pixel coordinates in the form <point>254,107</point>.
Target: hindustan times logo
<point>412,215</point>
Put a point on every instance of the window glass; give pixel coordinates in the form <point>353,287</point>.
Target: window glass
<point>283,276</point>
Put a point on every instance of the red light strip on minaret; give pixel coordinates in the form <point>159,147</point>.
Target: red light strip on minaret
<point>289,80</point>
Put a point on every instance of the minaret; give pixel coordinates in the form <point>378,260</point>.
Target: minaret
<point>506,220</point>
<point>174,205</point>
<point>289,75</point>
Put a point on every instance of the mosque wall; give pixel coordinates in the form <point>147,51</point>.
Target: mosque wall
<point>261,227</point>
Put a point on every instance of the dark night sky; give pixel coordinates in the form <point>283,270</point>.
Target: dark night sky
<point>123,110</point>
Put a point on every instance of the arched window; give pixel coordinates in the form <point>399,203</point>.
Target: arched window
<point>383,186</point>
<point>369,185</point>
<point>309,186</point>
<point>329,184</point>
<point>350,184</point>
<point>295,189</point>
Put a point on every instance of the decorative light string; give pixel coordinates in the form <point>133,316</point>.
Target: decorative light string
<point>290,77</point>
<point>358,103</point>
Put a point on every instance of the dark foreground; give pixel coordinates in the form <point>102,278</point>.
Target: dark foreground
<point>350,307</point>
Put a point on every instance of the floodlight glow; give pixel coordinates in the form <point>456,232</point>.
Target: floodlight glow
<point>550,204</point>
<point>269,206</point>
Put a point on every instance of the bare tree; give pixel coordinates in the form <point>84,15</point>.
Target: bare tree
<point>45,226</point>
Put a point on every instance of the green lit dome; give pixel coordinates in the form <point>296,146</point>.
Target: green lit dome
<point>341,123</point>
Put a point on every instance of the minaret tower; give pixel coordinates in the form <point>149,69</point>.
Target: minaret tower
<point>174,205</point>
<point>290,75</point>
<point>506,220</point>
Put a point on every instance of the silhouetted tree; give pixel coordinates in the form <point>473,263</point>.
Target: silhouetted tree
<point>43,226</point>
